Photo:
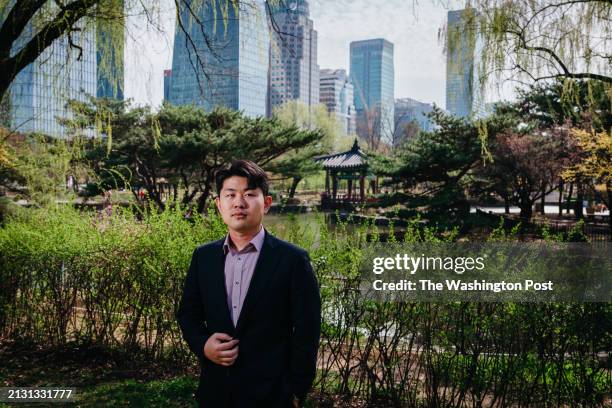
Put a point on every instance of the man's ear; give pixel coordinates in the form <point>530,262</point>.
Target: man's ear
<point>218,203</point>
<point>267,203</point>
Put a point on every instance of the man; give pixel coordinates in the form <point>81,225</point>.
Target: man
<point>251,309</point>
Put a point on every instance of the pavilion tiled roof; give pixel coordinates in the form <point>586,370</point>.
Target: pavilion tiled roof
<point>351,159</point>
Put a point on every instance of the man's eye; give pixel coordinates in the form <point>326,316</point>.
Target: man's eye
<point>229,195</point>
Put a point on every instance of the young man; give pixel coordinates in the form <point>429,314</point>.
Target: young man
<point>251,309</point>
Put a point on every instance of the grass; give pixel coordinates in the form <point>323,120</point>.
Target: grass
<point>174,392</point>
<point>102,377</point>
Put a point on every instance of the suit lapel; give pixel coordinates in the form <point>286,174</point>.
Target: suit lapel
<point>218,287</point>
<point>264,269</point>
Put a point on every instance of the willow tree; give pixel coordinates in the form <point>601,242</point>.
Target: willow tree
<point>544,39</point>
<point>531,41</point>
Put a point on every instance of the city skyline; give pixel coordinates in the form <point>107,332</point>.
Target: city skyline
<point>147,89</point>
<point>413,28</point>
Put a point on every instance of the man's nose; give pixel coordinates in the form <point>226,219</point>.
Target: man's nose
<point>240,202</point>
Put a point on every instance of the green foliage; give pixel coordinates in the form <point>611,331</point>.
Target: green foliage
<point>299,163</point>
<point>38,169</point>
<point>115,280</point>
<point>182,146</point>
<point>114,265</point>
<point>517,154</point>
<point>585,104</point>
<point>434,168</point>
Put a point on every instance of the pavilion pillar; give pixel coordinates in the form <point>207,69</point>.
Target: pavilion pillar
<point>327,181</point>
<point>362,187</point>
<point>334,185</point>
<point>350,188</point>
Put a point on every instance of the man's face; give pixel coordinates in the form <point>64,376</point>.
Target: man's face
<point>241,208</point>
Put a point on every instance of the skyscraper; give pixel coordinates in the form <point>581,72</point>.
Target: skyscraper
<point>294,72</point>
<point>463,51</point>
<point>40,92</point>
<point>110,43</point>
<point>372,74</point>
<point>225,60</point>
<point>409,110</point>
<point>336,93</point>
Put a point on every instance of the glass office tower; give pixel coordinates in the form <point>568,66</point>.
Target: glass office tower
<point>38,95</point>
<point>372,74</point>
<point>294,72</point>
<point>464,96</point>
<point>225,60</point>
<point>40,92</point>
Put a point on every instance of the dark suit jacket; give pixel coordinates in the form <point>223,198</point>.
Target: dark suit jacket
<point>278,327</point>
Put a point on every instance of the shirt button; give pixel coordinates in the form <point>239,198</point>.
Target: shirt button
<point>236,283</point>
<point>239,258</point>
<point>234,307</point>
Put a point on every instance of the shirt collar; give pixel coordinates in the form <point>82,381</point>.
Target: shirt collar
<point>256,242</point>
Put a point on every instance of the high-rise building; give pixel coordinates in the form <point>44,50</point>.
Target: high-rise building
<point>372,74</point>
<point>167,82</point>
<point>336,93</point>
<point>225,60</point>
<point>294,72</point>
<point>464,96</point>
<point>408,110</point>
<point>40,92</point>
<point>110,44</point>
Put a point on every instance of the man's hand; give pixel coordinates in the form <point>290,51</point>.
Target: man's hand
<point>221,349</point>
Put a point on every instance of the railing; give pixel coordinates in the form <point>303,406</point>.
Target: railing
<point>593,230</point>
<point>340,202</point>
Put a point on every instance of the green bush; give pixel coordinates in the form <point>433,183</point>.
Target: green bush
<point>116,280</point>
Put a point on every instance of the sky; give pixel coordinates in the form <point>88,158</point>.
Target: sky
<point>411,25</point>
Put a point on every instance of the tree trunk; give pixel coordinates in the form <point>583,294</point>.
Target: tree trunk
<point>156,198</point>
<point>543,200</point>
<point>506,205</point>
<point>202,199</point>
<point>578,211</point>
<point>526,211</point>
<point>609,205</point>
<point>560,201</point>
<point>526,206</point>
<point>294,184</point>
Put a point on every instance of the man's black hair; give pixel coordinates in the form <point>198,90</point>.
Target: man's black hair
<point>254,174</point>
